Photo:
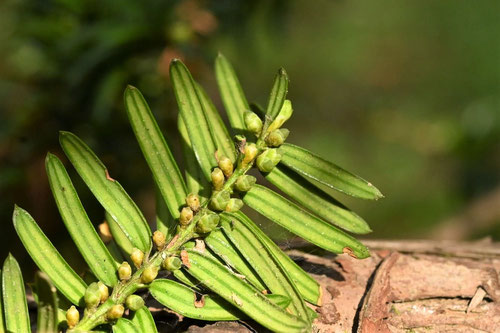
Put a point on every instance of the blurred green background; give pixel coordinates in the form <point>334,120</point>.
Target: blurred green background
<point>404,93</point>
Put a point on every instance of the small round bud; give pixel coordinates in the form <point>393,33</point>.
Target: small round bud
<point>219,200</point>
<point>103,291</point>
<point>226,166</point>
<point>277,137</point>
<point>116,312</point>
<point>137,256</point>
<point>104,232</point>
<point>124,271</point>
<point>268,160</point>
<point>253,122</point>
<point>149,274</point>
<point>172,264</point>
<point>72,316</point>
<point>134,302</point>
<point>217,178</point>
<point>234,205</point>
<point>207,223</point>
<point>244,183</point>
<point>250,153</point>
<point>186,216</point>
<point>92,296</point>
<point>193,201</point>
<point>285,114</point>
<point>159,239</point>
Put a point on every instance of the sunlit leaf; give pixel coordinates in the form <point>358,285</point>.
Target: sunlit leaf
<point>278,94</point>
<point>107,190</point>
<point>119,237</point>
<point>143,319</point>
<point>310,165</point>
<point>47,258</point>
<point>14,297</point>
<point>302,223</point>
<point>124,325</point>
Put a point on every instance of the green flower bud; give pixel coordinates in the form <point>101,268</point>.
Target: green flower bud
<point>207,223</point>
<point>244,183</point>
<point>250,152</point>
<point>193,201</point>
<point>103,291</point>
<point>186,216</point>
<point>217,178</point>
<point>285,114</point>
<point>159,239</point>
<point>92,296</point>
<point>137,256</point>
<point>253,122</point>
<point>219,200</point>
<point>124,271</point>
<point>277,137</point>
<point>226,166</point>
<point>116,312</point>
<point>134,302</point>
<point>234,205</point>
<point>172,264</point>
<point>72,316</point>
<point>268,160</point>
<point>149,274</point>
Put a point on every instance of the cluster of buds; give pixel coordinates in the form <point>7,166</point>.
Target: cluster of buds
<point>95,294</point>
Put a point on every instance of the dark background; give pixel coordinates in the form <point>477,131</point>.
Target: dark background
<point>403,93</point>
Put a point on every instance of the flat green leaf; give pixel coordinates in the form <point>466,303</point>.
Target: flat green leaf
<point>218,242</point>
<point>195,179</point>
<point>312,166</point>
<point>264,263</point>
<point>187,279</point>
<point>143,319</point>
<point>309,289</point>
<point>124,325</point>
<point>46,298</point>
<point>316,200</point>
<point>83,233</point>
<point>193,115</point>
<point>119,237</point>
<point>302,223</point>
<point>278,94</point>
<point>47,258</point>
<point>233,98</point>
<point>223,141</point>
<point>14,297</point>
<point>2,319</point>
<point>164,221</point>
<point>243,296</point>
<point>156,151</point>
<point>107,191</point>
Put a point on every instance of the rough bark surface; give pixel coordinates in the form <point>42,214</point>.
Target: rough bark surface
<point>405,286</point>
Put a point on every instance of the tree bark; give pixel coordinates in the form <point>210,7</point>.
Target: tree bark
<point>405,286</point>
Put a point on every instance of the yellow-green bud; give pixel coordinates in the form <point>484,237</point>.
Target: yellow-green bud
<point>277,137</point>
<point>72,316</point>
<point>250,152</point>
<point>137,256</point>
<point>234,205</point>
<point>124,271</point>
<point>253,122</point>
<point>103,291</point>
<point>226,166</point>
<point>219,200</point>
<point>217,178</point>
<point>159,239</point>
<point>244,183</point>
<point>207,223</point>
<point>105,232</point>
<point>149,274</point>
<point>186,216</point>
<point>268,160</point>
<point>285,114</point>
<point>193,201</point>
<point>116,312</point>
<point>134,302</point>
<point>172,264</point>
<point>92,296</point>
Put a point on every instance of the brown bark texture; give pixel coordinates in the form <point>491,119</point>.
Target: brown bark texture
<point>405,286</point>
